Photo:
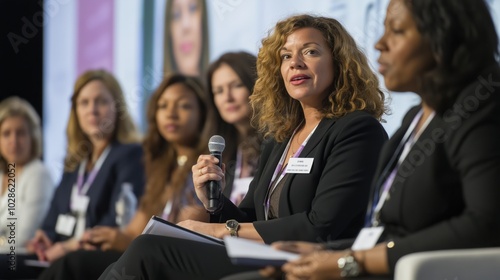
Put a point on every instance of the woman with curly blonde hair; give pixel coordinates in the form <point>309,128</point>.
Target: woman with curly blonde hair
<point>354,87</point>
<point>318,105</point>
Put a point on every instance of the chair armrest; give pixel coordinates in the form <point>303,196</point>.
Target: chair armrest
<point>460,264</point>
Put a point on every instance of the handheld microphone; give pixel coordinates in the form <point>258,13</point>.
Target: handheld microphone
<point>216,145</point>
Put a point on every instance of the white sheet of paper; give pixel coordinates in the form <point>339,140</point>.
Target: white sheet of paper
<point>36,263</point>
<point>367,238</point>
<point>65,224</point>
<point>299,165</point>
<point>245,248</point>
<point>158,226</point>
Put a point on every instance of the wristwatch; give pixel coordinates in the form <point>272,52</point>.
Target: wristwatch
<point>232,226</point>
<point>348,266</point>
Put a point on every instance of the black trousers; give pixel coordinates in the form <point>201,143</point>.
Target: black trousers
<point>22,271</point>
<point>160,257</point>
<point>80,265</point>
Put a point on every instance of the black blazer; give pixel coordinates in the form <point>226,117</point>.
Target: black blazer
<point>446,192</point>
<point>123,164</point>
<point>328,203</point>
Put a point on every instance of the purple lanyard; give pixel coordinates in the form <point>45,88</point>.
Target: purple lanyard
<point>406,144</point>
<point>82,186</point>
<point>282,171</point>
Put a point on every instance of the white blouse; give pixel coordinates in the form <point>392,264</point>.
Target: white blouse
<point>33,193</point>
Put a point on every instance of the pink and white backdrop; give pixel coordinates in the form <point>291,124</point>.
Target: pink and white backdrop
<point>86,34</point>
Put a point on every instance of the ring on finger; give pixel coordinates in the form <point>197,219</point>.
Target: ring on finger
<point>201,172</point>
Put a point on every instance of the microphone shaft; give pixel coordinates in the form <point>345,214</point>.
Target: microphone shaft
<point>214,188</point>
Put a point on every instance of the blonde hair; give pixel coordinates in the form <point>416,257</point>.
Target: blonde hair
<point>79,145</point>
<point>18,107</point>
<point>355,86</point>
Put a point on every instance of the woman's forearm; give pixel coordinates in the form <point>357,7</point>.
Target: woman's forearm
<point>245,230</point>
<point>374,261</point>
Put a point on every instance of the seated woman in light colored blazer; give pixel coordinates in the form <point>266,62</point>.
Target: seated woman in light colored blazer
<point>26,184</point>
<point>315,100</point>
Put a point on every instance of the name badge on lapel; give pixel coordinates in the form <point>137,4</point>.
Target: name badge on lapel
<point>299,165</point>
<point>65,224</point>
<point>79,202</point>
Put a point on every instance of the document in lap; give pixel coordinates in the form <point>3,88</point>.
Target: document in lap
<point>158,226</point>
<point>247,252</point>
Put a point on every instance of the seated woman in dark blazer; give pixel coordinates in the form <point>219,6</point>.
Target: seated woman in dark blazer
<point>316,100</point>
<point>180,122</point>
<point>102,156</point>
<point>437,182</point>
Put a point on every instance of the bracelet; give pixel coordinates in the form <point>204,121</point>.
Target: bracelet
<point>349,266</point>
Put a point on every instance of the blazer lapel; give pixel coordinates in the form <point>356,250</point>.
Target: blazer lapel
<point>97,188</point>
<point>270,166</point>
<point>317,136</point>
<point>425,135</point>
<point>388,157</point>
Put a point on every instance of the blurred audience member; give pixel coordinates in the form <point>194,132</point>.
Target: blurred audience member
<point>26,185</point>
<point>231,79</point>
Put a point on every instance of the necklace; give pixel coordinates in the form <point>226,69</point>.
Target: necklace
<point>181,160</point>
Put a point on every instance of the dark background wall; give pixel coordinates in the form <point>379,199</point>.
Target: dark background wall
<point>21,50</point>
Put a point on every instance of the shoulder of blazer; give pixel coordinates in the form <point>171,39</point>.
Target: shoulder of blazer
<point>405,123</point>
<point>37,166</point>
<point>353,116</point>
<point>356,118</point>
<point>121,151</point>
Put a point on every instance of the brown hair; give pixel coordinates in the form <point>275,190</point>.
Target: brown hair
<point>355,85</point>
<point>17,107</point>
<point>243,64</point>
<point>161,157</point>
<point>79,145</point>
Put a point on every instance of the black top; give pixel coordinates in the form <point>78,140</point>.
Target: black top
<point>446,192</point>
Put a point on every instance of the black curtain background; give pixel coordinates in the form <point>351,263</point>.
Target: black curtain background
<point>21,51</point>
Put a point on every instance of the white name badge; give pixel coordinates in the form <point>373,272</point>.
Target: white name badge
<point>367,238</point>
<point>299,165</point>
<point>79,203</point>
<point>65,224</point>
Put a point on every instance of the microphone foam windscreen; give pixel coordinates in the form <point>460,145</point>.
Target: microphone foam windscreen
<point>216,144</point>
